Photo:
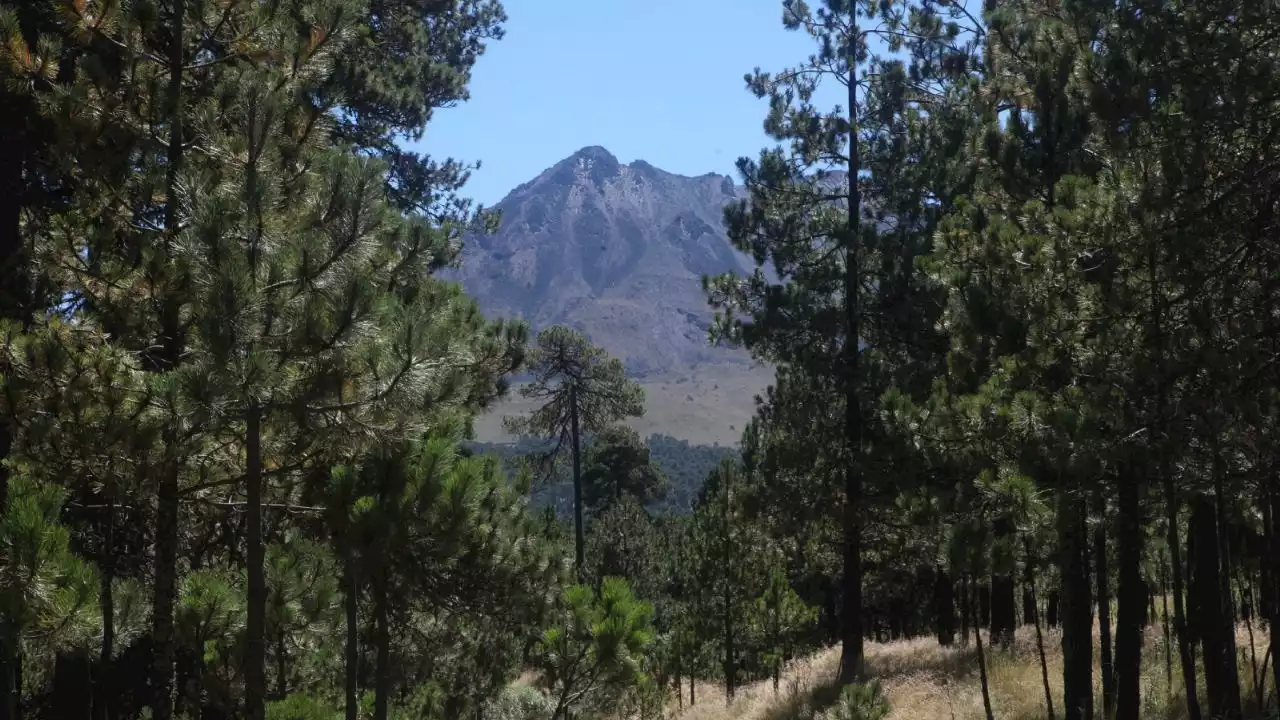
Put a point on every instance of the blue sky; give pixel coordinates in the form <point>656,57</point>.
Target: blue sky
<point>659,80</point>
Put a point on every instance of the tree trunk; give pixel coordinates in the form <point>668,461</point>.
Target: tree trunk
<point>1217,635</point>
<point>165,594</point>
<point>679,684</point>
<point>1077,617</point>
<point>1168,636</point>
<point>1180,629</point>
<point>579,543</point>
<point>103,698</point>
<point>352,649</point>
<point>255,671</point>
<point>166,537</point>
<point>1130,601</point>
<point>944,606</point>
<point>1003,602</point>
<point>14,305</point>
<point>382,643</point>
<point>1031,614</point>
<point>1269,548</point>
<point>982,673</point>
<point>965,610</point>
<point>851,624</point>
<point>984,606</point>
<point>1052,611</point>
<point>1273,565</point>
<point>72,686</point>
<point>1101,577</point>
<point>730,667</point>
<point>282,666</point>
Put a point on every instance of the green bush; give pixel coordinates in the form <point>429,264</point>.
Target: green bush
<point>519,702</point>
<point>301,707</point>
<point>859,701</point>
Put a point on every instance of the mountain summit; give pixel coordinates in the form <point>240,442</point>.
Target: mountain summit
<point>616,251</point>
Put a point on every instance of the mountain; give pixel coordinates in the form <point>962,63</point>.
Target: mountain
<point>616,251</point>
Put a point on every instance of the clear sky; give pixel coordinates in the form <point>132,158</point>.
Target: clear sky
<point>658,80</point>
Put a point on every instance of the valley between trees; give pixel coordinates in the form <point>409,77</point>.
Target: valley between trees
<point>1019,458</point>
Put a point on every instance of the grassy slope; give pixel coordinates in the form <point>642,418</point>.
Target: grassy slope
<point>924,681</point>
<point>707,407</point>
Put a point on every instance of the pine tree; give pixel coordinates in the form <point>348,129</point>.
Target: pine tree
<point>618,466</point>
<point>579,390</point>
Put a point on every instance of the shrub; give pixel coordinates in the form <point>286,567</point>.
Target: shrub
<point>519,702</point>
<point>859,701</point>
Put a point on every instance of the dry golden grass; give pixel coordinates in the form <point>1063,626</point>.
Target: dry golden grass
<point>923,681</point>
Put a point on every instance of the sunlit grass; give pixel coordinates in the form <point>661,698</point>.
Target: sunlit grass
<point>923,680</point>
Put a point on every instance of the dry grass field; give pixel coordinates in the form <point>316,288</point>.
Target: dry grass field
<point>708,407</point>
<point>923,681</point>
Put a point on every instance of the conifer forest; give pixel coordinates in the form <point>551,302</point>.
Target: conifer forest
<point>1019,284</point>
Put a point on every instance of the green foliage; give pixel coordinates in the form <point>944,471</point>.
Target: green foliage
<point>573,377</point>
<point>593,655</point>
<point>617,466</point>
<point>301,707</point>
<point>859,701</point>
<point>47,592</point>
<point>519,702</point>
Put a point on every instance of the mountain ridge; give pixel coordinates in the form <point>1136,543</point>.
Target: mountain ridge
<point>616,251</point>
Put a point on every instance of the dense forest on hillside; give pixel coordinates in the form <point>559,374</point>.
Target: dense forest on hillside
<point>684,465</point>
<point>1023,302</point>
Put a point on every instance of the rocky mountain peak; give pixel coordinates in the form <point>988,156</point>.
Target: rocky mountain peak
<point>614,250</point>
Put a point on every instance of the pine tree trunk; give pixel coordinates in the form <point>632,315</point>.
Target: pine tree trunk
<point>1268,596</point>
<point>851,655</point>
<point>965,610</point>
<point>984,606</point>
<point>1031,614</point>
<point>679,684</point>
<point>164,642</point>
<point>1052,610</point>
<point>14,303</point>
<point>579,542</point>
<point>382,643</point>
<point>165,595</point>
<point>944,606</point>
<point>255,670</point>
<point>982,673</point>
<point>1003,603</point>
<point>72,686</point>
<point>1077,617</point>
<point>282,666</point>
<point>1168,636</point>
<point>1130,601</point>
<point>352,649</point>
<point>1101,578</point>
<point>1273,565</point>
<point>1217,635</point>
<point>104,697</point>
<point>730,659</point>
<point>1181,631</point>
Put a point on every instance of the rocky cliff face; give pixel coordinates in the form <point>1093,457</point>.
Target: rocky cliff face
<point>615,251</point>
